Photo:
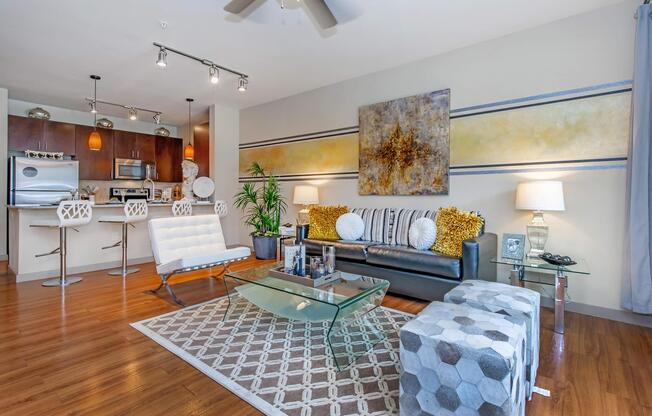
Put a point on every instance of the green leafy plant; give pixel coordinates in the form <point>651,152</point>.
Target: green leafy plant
<point>262,204</point>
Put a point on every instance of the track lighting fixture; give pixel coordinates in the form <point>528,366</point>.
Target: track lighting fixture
<point>213,74</point>
<point>157,118</point>
<point>213,68</point>
<point>132,111</point>
<point>162,58</point>
<point>133,115</point>
<point>242,84</point>
<point>93,107</point>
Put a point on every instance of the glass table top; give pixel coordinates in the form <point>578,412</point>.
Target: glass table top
<point>350,288</point>
<point>534,263</point>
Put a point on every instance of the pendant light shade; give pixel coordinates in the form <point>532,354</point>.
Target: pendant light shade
<point>188,150</point>
<point>94,138</point>
<point>95,141</point>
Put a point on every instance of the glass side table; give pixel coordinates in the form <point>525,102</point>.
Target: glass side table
<point>518,277</point>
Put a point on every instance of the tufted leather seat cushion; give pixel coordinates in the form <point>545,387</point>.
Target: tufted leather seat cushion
<point>350,250</point>
<point>181,242</point>
<point>407,258</point>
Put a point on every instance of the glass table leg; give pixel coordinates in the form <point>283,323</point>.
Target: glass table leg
<point>231,296</point>
<point>353,330</point>
<point>560,299</point>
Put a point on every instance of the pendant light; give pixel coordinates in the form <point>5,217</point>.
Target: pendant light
<point>94,138</point>
<point>188,150</point>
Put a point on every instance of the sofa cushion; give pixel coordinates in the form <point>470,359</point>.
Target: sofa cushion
<point>403,219</point>
<point>323,220</point>
<point>407,258</point>
<point>453,227</point>
<point>377,223</point>
<point>349,250</point>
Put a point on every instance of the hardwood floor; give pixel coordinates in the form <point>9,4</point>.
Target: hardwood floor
<point>72,352</point>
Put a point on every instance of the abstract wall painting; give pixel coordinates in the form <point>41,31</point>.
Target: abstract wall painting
<point>404,146</point>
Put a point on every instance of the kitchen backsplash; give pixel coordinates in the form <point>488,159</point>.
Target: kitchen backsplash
<point>102,195</point>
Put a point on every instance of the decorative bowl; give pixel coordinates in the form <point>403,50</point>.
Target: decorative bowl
<point>557,259</point>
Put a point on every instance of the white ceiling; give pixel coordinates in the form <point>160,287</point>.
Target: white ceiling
<point>48,48</point>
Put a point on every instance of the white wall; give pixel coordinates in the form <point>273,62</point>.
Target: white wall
<point>21,108</point>
<point>579,51</point>
<point>4,108</point>
<point>224,138</point>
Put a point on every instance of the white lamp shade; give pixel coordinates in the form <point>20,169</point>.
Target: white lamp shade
<point>306,195</point>
<point>540,196</point>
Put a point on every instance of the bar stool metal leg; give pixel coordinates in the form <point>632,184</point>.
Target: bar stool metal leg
<point>63,280</point>
<point>124,270</point>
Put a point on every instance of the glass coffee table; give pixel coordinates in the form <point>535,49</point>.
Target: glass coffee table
<point>344,304</point>
<point>559,279</point>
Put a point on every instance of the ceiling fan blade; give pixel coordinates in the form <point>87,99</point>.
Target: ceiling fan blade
<point>321,12</point>
<point>236,6</point>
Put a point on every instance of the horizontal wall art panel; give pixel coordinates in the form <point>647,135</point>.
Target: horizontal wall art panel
<point>580,129</point>
<point>337,155</point>
<point>577,126</point>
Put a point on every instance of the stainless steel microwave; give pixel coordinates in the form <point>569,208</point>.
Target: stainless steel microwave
<point>132,169</point>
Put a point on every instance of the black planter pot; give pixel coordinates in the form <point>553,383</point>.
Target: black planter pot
<point>264,247</point>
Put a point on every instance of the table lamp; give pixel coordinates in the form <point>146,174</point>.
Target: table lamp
<point>539,196</point>
<point>305,195</point>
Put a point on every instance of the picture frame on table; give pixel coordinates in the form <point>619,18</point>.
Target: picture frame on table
<point>513,246</point>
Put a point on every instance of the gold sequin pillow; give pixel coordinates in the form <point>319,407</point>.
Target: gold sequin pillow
<point>453,227</point>
<point>322,222</point>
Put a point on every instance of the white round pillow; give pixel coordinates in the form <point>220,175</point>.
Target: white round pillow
<point>349,226</point>
<point>422,233</point>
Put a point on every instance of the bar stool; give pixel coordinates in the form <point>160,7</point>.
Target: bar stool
<point>181,208</point>
<point>135,210</point>
<point>221,208</point>
<point>70,214</point>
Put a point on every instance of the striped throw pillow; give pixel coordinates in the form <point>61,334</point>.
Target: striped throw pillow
<point>377,223</point>
<point>403,219</point>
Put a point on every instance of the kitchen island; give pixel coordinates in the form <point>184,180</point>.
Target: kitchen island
<point>85,252</point>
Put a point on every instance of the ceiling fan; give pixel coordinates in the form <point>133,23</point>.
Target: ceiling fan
<point>318,8</point>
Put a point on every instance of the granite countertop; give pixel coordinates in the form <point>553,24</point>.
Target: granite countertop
<point>105,205</point>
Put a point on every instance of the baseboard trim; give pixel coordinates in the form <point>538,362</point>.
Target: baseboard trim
<point>47,274</point>
<point>600,312</point>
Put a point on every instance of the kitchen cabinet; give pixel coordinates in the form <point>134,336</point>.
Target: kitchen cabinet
<point>34,134</point>
<point>200,143</point>
<point>94,164</point>
<point>130,145</point>
<point>169,155</point>
<point>59,137</point>
<point>25,134</point>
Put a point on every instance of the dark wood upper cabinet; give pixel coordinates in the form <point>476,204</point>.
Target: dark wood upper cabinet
<point>94,165</point>
<point>59,137</point>
<point>201,145</point>
<point>25,134</point>
<point>146,147</point>
<point>130,145</point>
<point>169,155</point>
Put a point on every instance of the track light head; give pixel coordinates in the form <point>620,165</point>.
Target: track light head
<point>133,115</point>
<point>213,74</point>
<point>242,84</point>
<point>162,58</point>
<point>93,107</point>
<point>157,118</point>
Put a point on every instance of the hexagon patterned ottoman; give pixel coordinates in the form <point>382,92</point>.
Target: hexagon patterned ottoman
<point>519,303</point>
<point>458,360</point>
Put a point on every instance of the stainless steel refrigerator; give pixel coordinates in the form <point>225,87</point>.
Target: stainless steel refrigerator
<point>41,181</point>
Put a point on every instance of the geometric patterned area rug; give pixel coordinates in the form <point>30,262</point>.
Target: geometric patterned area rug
<point>280,366</point>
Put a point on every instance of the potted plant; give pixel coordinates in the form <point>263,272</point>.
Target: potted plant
<point>262,205</point>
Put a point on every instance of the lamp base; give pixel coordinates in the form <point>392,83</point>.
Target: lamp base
<point>537,235</point>
<point>303,217</point>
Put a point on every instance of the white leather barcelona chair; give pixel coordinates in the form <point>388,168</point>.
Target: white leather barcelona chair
<point>189,243</point>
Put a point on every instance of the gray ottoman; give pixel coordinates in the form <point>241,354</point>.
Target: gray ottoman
<point>520,304</point>
<point>458,360</point>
